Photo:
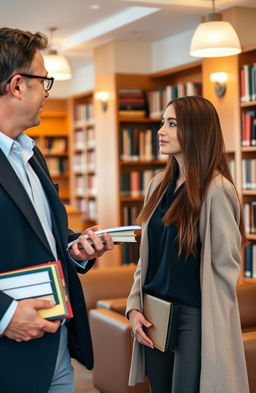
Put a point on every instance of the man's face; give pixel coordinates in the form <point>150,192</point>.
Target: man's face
<point>34,93</point>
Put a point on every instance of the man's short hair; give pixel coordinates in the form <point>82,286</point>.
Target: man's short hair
<point>17,49</point>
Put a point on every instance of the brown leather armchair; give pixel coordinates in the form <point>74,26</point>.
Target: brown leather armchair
<point>107,290</point>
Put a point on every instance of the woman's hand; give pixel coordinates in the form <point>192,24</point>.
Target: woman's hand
<point>138,322</point>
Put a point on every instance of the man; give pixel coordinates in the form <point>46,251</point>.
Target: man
<point>35,353</point>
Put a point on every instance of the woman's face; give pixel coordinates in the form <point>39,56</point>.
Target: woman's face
<point>168,141</point>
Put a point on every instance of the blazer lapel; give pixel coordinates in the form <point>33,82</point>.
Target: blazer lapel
<point>58,212</point>
<point>13,186</point>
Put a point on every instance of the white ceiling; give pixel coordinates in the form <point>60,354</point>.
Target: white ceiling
<point>80,28</point>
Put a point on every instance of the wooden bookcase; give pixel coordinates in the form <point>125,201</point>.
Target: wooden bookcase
<point>231,110</point>
<point>247,63</point>
<point>83,158</point>
<point>126,202</point>
<point>52,137</point>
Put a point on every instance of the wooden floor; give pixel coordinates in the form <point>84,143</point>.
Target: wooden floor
<point>83,379</point>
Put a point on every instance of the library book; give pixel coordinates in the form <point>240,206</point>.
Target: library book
<point>43,282</point>
<point>123,234</point>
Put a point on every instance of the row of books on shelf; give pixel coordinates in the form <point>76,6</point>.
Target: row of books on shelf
<point>249,210</point>
<point>134,183</point>
<point>132,100</point>
<point>84,138</point>
<point>159,98</point>
<point>56,145</point>
<point>83,113</point>
<point>249,128</point>
<point>248,82</point>
<point>85,185</point>
<point>152,103</point>
<point>57,165</point>
<point>250,260</point>
<point>139,144</point>
<point>84,162</point>
<point>130,213</point>
<point>88,207</point>
<point>249,174</point>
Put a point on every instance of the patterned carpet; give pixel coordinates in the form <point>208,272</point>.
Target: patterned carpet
<point>83,379</point>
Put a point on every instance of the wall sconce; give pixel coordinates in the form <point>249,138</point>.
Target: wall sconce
<point>220,79</point>
<point>103,97</point>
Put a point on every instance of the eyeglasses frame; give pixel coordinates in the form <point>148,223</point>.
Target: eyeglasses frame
<point>48,78</point>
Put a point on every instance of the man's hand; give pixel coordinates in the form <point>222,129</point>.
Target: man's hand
<point>138,322</point>
<point>91,251</point>
<point>26,324</point>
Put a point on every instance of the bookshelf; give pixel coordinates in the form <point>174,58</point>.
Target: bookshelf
<point>83,158</point>
<point>238,135</point>
<point>132,135</point>
<point>52,137</point>
<point>247,82</point>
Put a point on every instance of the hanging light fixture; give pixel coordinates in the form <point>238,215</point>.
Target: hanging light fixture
<point>214,37</point>
<point>56,64</point>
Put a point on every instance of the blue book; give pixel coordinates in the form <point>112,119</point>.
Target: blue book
<point>248,261</point>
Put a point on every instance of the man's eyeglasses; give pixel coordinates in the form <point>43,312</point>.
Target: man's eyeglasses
<point>47,81</point>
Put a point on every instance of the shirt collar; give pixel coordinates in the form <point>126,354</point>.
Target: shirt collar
<point>23,142</point>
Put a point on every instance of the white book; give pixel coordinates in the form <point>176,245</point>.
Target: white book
<point>123,234</point>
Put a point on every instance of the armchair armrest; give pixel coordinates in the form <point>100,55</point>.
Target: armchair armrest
<point>118,305</point>
<point>249,340</point>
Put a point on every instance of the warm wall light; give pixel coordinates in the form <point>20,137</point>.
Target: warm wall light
<point>220,79</point>
<point>103,97</point>
<point>56,65</point>
<point>214,37</point>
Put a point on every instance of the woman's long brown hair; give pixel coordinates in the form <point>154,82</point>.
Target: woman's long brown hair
<point>201,140</point>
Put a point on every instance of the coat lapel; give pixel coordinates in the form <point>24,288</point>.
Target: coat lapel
<point>58,212</point>
<point>13,186</point>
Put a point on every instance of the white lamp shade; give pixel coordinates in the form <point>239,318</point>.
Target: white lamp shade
<point>215,39</point>
<point>57,66</point>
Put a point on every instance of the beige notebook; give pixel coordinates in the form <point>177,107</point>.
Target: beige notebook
<point>163,316</point>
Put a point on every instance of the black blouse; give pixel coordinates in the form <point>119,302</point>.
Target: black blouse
<point>170,276</point>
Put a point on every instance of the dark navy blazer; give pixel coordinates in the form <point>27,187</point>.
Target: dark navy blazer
<point>27,367</point>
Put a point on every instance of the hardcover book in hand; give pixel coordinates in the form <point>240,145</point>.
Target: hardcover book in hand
<point>45,281</point>
<point>163,316</point>
<point>124,234</point>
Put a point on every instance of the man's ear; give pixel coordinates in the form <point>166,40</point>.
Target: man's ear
<point>15,86</point>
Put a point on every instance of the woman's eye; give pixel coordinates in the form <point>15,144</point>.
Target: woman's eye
<point>172,124</point>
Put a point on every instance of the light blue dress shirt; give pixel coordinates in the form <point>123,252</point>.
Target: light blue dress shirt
<point>18,152</point>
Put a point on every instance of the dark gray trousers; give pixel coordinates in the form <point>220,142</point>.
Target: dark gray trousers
<point>178,371</point>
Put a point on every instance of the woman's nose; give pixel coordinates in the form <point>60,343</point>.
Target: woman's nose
<point>161,130</point>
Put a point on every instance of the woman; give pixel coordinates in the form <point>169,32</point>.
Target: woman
<point>190,255</point>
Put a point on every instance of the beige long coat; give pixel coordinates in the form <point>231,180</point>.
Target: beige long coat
<point>223,368</point>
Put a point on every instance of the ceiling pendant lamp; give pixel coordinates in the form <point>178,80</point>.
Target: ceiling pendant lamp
<point>214,37</point>
<point>56,65</point>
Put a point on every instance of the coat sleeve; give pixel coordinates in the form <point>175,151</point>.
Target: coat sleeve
<point>225,236</point>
